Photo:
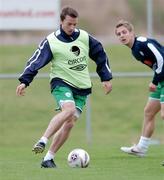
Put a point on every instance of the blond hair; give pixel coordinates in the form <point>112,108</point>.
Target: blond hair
<point>125,24</point>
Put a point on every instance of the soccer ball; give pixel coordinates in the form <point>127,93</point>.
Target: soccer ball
<point>78,158</point>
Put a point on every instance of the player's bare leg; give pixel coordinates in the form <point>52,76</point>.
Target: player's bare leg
<point>68,111</point>
<point>62,135</point>
<point>59,139</point>
<point>151,109</point>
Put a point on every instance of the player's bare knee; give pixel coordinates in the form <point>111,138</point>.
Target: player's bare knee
<point>148,112</point>
<point>69,110</point>
<point>68,125</point>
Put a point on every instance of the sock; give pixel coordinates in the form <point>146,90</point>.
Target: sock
<point>50,155</point>
<point>43,139</point>
<point>144,143</point>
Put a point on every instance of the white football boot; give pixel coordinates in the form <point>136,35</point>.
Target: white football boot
<point>134,150</point>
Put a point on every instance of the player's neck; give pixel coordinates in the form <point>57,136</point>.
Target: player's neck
<point>131,42</point>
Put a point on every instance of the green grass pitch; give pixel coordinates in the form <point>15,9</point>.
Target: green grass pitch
<point>116,120</point>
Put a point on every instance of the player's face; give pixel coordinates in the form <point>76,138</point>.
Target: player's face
<point>125,36</point>
<point>69,24</point>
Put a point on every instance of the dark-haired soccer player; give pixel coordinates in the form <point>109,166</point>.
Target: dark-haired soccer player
<point>68,49</point>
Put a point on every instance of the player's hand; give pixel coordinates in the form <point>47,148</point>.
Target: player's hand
<point>152,87</point>
<point>107,85</point>
<point>20,90</point>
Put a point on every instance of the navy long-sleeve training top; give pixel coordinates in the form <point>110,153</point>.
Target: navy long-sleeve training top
<point>151,53</point>
<point>43,55</point>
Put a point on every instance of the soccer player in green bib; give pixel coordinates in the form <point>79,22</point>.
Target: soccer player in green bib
<point>68,50</point>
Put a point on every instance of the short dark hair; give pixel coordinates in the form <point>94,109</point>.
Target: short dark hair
<point>68,11</point>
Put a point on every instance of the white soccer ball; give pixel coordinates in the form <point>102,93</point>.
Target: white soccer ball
<point>78,158</point>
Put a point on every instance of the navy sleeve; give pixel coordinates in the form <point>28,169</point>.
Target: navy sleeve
<point>98,55</point>
<point>41,57</point>
<point>150,53</point>
<point>156,54</point>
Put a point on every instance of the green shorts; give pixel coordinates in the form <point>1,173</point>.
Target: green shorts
<point>159,93</point>
<point>64,94</point>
